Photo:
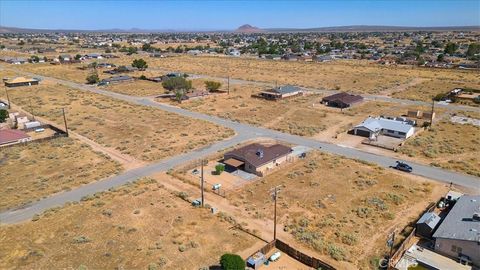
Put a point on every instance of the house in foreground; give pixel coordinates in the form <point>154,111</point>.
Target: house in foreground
<point>342,100</point>
<point>257,158</point>
<point>13,136</point>
<point>458,236</point>
<point>372,127</point>
<point>281,92</point>
<point>21,81</point>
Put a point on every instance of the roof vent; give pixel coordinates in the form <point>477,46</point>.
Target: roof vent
<point>476,216</point>
<point>259,153</point>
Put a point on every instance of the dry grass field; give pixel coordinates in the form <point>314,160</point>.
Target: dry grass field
<point>300,116</point>
<point>357,76</point>
<point>142,132</point>
<point>447,145</point>
<point>428,89</point>
<point>340,208</point>
<point>30,172</point>
<point>138,226</point>
<point>69,72</point>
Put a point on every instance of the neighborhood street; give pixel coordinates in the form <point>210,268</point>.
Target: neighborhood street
<point>243,132</point>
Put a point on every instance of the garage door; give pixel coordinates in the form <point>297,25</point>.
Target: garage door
<point>363,133</point>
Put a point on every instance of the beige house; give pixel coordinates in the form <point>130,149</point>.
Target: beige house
<point>257,158</point>
<point>458,236</point>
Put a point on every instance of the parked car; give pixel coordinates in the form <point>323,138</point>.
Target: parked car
<point>402,166</point>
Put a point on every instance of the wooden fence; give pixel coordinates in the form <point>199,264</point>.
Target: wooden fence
<point>302,257</point>
<point>295,254</point>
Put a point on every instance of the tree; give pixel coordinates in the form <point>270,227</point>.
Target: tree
<point>219,168</point>
<point>34,59</point>
<point>441,57</point>
<point>78,56</point>
<point>140,64</point>
<point>3,115</point>
<point>108,50</point>
<point>232,262</point>
<point>450,48</point>
<point>146,47</point>
<point>179,94</point>
<point>177,83</point>
<point>93,78</point>
<point>212,85</point>
<point>473,49</point>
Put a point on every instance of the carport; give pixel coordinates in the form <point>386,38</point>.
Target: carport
<point>233,163</point>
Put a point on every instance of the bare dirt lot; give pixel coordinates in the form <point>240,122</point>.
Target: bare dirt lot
<point>30,172</point>
<point>357,76</point>
<point>138,226</point>
<point>447,145</point>
<point>145,133</point>
<point>341,209</point>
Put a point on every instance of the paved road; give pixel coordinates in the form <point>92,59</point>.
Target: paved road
<point>244,132</point>
<point>454,107</point>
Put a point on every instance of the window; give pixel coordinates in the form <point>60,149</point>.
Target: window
<point>402,133</point>
<point>456,249</point>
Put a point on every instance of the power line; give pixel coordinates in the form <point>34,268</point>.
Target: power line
<point>274,192</point>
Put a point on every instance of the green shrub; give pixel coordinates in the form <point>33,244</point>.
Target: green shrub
<point>232,262</point>
<point>219,168</point>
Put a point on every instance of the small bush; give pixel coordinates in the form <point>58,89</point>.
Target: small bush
<point>232,262</point>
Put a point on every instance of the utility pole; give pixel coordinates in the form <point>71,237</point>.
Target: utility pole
<point>433,111</point>
<point>201,185</point>
<point>8,98</point>
<point>228,84</point>
<point>65,121</point>
<point>274,192</point>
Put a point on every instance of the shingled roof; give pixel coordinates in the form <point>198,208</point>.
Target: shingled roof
<point>343,97</point>
<point>258,154</point>
<point>460,223</point>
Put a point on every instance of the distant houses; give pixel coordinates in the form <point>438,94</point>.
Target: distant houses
<point>281,92</point>
<point>115,79</point>
<point>342,100</point>
<point>20,81</point>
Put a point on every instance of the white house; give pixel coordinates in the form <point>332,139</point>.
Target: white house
<point>372,127</point>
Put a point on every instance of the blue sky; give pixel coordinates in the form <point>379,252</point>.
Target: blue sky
<point>225,15</point>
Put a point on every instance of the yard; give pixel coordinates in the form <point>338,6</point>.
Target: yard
<point>357,76</point>
<point>30,172</point>
<point>144,133</point>
<point>447,145</point>
<point>339,208</point>
<point>426,90</point>
<point>137,226</point>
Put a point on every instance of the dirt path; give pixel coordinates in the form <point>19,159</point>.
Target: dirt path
<point>403,86</point>
<point>126,161</point>
<point>261,227</point>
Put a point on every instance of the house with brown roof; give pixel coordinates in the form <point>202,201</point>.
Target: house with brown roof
<point>257,158</point>
<point>342,100</point>
<point>20,81</point>
<point>13,136</point>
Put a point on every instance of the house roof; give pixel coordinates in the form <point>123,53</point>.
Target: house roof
<point>430,218</point>
<point>286,89</point>
<point>258,154</point>
<point>12,135</point>
<point>459,223</point>
<point>118,79</point>
<point>343,97</point>
<point>21,80</point>
<point>377,124</point>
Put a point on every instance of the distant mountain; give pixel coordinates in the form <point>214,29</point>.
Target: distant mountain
<point>247,28</point>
